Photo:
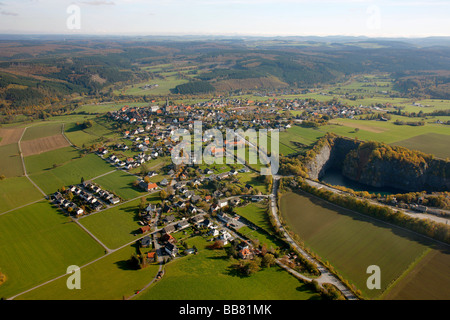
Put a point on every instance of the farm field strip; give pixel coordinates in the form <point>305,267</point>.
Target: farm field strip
<point>10,136</point>
<point>38,243</point>
<point>42,130</point>
<point>108,277</point>
<point>350,242</point>
<point>10,161</point>
<point>45,144</point>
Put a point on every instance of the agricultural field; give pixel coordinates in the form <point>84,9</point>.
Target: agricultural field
<point>432,143</point>
<point>382,131</point>
<point>121,183</point>
<point>352,242</point>
<point>79,137</point>
<point>87,167</point>
<point>16,192</point>
<point>51,159</point>
<point>42,130</point>
<point>300,135</point>
<point>41,145</point>
<point>111,278</point>
<point>37,243</point>
<point>10,135</point>
<point>424,281</point>
<point>210,270</point>
<point>10,162</point>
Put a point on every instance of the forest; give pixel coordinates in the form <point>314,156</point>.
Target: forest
<point>50,71</point>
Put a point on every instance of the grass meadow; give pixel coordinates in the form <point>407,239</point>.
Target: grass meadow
<point>44,129</point>
<point>352,242</point>
<point>210,270</point>
<point>16,192</point>
<point>433,143</point>
<point>37,243</point>
<point>257,214</point>
<point>48,160</point>
<point>117,226</point>
<point>88,167</point>
<point>381,131</point>
<point>10,162</point>
<point>430,138</point>
<point>121,183</point>
<point>110,278</point>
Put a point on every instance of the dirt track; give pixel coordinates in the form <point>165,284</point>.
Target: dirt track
<point>45,144</point>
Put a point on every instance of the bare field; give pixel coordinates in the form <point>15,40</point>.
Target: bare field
<point>427,281</point>
<point>10,135</point>
<point>37,146</point>
<point>373,129</point>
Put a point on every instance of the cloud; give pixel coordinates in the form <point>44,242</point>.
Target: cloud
<point>7,13</point>
<point>98,3</point>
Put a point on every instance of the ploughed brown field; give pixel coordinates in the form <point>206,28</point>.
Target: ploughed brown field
<point>10,135</point>
<point>45,144</point>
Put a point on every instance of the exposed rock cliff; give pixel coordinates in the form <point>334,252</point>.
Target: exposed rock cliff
<point>380,165</point>
<point>331,154</point>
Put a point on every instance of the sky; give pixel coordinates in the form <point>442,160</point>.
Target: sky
<point>372,18</point>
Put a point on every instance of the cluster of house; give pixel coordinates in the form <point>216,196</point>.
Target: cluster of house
<point>130,162</point>
<point>103,194</point>
<point>88,194</point>
<point>63,203</point>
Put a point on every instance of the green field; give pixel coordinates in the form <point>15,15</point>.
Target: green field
<point>432,143</point>
<point>88,167</point>
<point>252,179</point>
<point>15,192</point>
<point>116,226</point>
<point>10,162</point>
<point>111,278</point>
<point>352,242</point>
<point>381,131</point>
<point>121,183</point>
<point>297,134</point>
<point>37,243</point>
<point>47,160</point>
<point>209,270</point>
<point>257,214</point>
<point>42,130</point>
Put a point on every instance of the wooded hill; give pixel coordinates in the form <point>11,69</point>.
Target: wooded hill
<point>35,72</point>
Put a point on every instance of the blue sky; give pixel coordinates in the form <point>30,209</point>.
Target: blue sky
<point>406,18</point>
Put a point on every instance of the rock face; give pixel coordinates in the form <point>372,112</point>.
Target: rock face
<point>345,155</point>
<point>332,154</point>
